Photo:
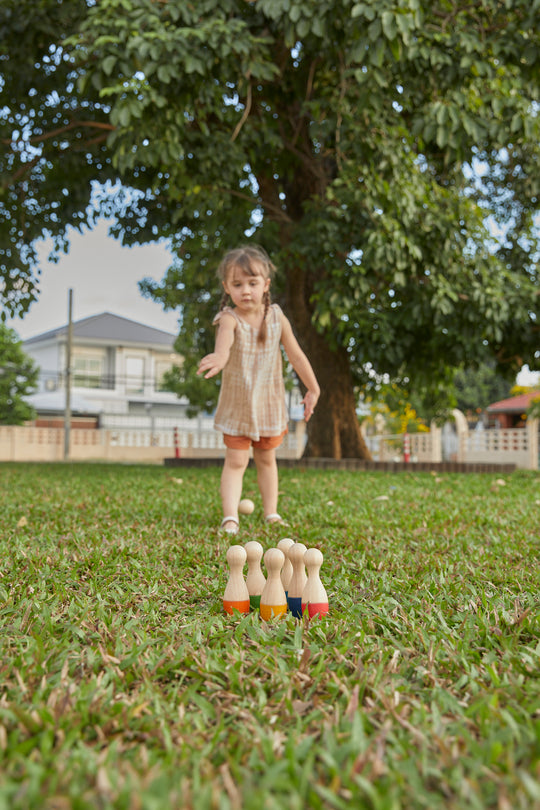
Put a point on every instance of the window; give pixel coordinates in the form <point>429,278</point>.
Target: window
<point>88,368</point>
<point>134,375</point>
<point>161,368</point>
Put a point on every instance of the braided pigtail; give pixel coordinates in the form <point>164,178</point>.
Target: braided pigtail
<point>261,337</point>
<point>224,301</point>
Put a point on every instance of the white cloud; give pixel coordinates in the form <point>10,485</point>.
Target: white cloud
<point>526,377</point>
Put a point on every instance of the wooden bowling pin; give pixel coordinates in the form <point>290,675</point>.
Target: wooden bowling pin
<point>255,579</point>
<point>286,572</point>
<point>298,579</point>
<point>314,596</point>
<point>273,599</point>
<point>236,596</point>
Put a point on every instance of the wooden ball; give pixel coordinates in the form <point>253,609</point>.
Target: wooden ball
<point>246,506</point>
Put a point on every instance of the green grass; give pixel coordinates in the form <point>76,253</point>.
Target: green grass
<point>124,685</point>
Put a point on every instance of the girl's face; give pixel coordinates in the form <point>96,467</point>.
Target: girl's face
<point>245,290</point>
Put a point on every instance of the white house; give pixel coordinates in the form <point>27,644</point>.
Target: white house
<point>117,370</point>
<point>117,400</point>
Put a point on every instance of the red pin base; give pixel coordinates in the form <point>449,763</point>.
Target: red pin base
<point>316,609</point>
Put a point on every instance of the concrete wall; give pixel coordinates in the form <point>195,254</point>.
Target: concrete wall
<point>47,444</point>
<point>518,446</point>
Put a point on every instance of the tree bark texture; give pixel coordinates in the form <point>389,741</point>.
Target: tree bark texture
<point>333,430</point>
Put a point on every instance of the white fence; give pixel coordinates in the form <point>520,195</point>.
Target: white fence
<point>422,446</point>
<point>47,444</point>
<point>517,446</point>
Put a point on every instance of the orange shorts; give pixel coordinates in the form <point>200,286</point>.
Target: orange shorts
<point>244,442</point>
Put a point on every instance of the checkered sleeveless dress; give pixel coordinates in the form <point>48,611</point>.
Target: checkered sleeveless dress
<point>252,396</point>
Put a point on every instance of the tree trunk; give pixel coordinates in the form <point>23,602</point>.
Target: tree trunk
<point>333,430</point>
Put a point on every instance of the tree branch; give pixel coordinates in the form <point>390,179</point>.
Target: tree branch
<point>339,117</point>
<point>245,114</point>
<point>72,125</point>
<point>282,216</point>
<point>21,171</point>
<point>309,90</point>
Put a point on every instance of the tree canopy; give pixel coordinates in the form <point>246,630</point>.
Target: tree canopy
<point>18,379</point>
<point>477,388</point>
<point>383,152</point>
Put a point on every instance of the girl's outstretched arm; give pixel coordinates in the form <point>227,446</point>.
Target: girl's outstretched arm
<point>302,366</point>
<point>213,363</point>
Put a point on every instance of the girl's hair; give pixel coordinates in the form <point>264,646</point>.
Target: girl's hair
<point>253,261</point>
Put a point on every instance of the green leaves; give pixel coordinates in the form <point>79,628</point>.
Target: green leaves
<point>18,379</point>
<point>372,148</point>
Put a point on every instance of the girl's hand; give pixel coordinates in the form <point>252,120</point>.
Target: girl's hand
<point>212,364</point>
<point>309,402</point>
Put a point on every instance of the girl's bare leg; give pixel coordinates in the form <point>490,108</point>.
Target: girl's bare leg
<point>267,478</point>
<point>232,477</point>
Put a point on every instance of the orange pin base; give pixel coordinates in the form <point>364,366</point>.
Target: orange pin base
<point>229,606</point>
<point>272,611</point>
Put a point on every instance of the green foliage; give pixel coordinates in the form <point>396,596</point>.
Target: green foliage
<point>184,382</point>
<point>124,685</point>
<point>18,378</point>
<point>366,145</point>
<point>534,408</point>
<point>389,402</point>
<point>412,408</point>
<point>479,387</point>
<point>52,141</point>
<point>533,411</point>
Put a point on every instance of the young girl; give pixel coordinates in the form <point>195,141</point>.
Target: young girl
<point>251,410</point>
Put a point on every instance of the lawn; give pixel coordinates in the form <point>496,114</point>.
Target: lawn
<point>124,685</point>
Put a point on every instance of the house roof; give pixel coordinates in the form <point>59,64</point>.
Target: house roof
<point>107,326</point>
<point>517,404</point>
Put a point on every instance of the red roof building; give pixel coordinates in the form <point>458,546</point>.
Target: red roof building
<point>509,413</point>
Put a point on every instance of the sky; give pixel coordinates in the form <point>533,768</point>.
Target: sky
<point>104,277</point>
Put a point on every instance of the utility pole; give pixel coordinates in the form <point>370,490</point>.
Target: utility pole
<point>67,410</point>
